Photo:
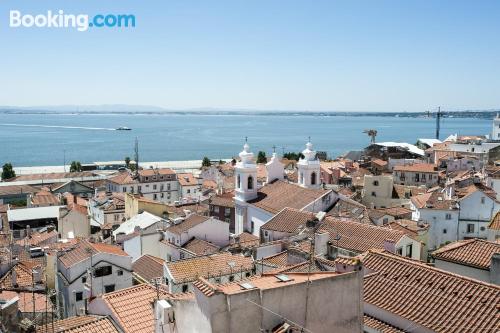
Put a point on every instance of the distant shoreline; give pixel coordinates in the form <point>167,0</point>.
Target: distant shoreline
<point>478,114</point>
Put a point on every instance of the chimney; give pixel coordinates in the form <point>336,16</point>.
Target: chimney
<point>75,199</point>
<point>37,275</point>
<point>495,269</point>
<point>28,231</point>
<point>14,277</point>
<point>321,243</point>
<point>390,245</point>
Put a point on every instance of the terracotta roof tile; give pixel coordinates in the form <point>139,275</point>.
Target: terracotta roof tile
<point>279,194</point>
<point>358,237</point>
<point>472,252</point>
<point>379,326</point>
<point>224,200</point>
<point>495,222</point>
<point>417,167</point>
<point>44,198</point>
<point>188,270</point>
<point>17,189</point>
<point>200,247</point>
<point>288,220</point>
<point>438,300</point>
<point>190,222</point>
<point>38,239</point>
<point>81,324</point>
<point>187,179</point>
<point>262,282</point>
<point>24,277</point>
<point>148,267</point>
<point>132,306</point>
<point>84,249</point>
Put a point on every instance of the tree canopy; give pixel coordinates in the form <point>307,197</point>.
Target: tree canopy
<point>206,162</point>
<point>8,171</point>
<point>75,166</point>
<point>261,157</point>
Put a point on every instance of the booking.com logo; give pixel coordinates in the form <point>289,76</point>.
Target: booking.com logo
<point>80,22</point>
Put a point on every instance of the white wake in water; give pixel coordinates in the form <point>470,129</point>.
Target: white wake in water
<point>55,126</point>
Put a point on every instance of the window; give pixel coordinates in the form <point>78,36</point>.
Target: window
<point>154,187</point>
<point>103,271</point>
<point>445,231</point>
<point>385,220</point>
<point>216,209</point>
<point>117,217</point>
<point>147,178</point>
<point>313,178</point>
<point>470,228</point>
<point>109,288</point>
<point>423,177</point>
<point>483,200</point>
<point>227,211</point>
<point>162,195</point>
<point>78,296</point>
<point>247,274</point>
<point>227,219</point>
<point>124,189</point>
<point>482,228</point>
<point>168,187</point>
<point>161,187</point>
<point>400,251</point>
<point>250,182</point>
<point>139,188</point>
<point>184,288</point>
<point>231,278</point>
<point>131,189</point>
<point>119,272</point>
<point>188,191</point>
<point>375,183</point>
<point>155,196</point>
<point>448,216</point>
<point>409,250</point>
<point>374,194</point>
<point>181,255</point>
<point>84,279</point>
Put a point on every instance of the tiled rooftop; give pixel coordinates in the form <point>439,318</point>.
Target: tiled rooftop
<point>438,300</point>
<point>148,267</point>
<point>263,282</point>
<point>288,220</point>
<point>495,222</point>
<point>190,222</point>
<point>379,326</point>
<point>223,263</point>
<point>279,194</point>
<point>200,247</point>
<point>133,309</point>
<point>80,324</point>
<point>84,249</point>
<point>472,252</point>
<point>417,167</point>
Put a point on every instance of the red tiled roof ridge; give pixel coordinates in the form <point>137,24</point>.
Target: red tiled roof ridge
<point>455,245</point>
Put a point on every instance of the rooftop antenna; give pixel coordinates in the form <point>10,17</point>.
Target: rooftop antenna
<point>274,149</point>
<point>246,139</point>
<point>136,156</point>
<point>438,122</point>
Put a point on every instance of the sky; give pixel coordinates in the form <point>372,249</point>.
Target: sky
<point>259,54</point>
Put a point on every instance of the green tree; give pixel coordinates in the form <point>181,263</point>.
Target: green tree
<point>76,166</point>
<point>206,162</point>
<point>127,162</point>
<point>261,157</point>
<point>293,156</point>
<point>8,171</point>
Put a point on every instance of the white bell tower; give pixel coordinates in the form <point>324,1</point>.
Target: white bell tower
<point>245,174</point>
<point>495,133</point>
<point>309,168</point>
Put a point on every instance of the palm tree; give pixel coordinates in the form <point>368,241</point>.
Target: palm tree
<point>371,133</point>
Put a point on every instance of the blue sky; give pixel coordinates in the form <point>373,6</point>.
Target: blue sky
<point>259,54</point>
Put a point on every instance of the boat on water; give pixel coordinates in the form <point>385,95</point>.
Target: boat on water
<point>123,128</point>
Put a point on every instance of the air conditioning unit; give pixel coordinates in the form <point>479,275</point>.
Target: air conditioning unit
<point>164,312</point>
